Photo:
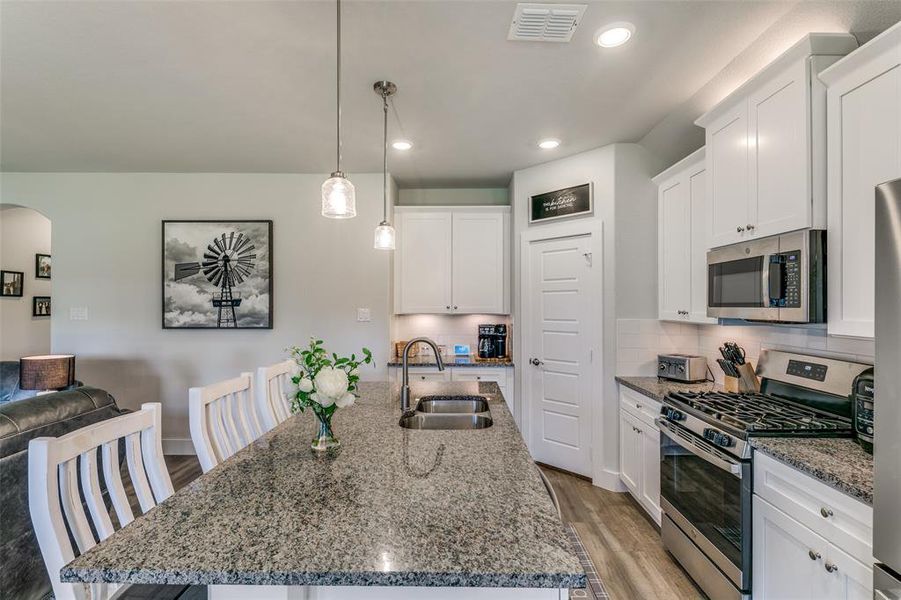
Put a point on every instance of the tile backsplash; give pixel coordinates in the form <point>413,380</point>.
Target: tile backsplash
<point>446,330</point>
<point>640,340</point>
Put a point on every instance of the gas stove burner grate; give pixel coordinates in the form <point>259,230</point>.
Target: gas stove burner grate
<point>758,414</point>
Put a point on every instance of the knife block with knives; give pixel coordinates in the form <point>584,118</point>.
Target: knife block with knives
<point>740,376</point>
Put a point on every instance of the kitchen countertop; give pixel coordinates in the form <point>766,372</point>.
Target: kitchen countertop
<point>657,388</point>
<point>838,462</point>
<point>392,507</point>
<point>453,361</point>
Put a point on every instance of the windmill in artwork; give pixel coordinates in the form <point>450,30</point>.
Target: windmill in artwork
<point>229,259</point>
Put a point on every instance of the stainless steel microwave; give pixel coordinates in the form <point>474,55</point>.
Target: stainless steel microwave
<point>781,278</point>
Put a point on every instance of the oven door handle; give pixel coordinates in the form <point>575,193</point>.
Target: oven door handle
<point>728,466</point>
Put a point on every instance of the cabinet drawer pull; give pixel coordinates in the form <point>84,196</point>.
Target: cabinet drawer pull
<point>826,512</point>
<point>814,555</point>
<point>739,229</point>
<point>831,568</point>
<point>638,406</point>
<point>479,378</point>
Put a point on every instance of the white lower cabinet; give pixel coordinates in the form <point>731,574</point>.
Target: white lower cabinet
<point>502,376</point>
<point>639,450</point>
<point>807,538</point>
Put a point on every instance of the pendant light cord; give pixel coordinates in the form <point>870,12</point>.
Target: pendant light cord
<point>338,3</point>
<point>385,159</point>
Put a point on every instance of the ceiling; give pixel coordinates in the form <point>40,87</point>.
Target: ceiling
<point>249,86</point>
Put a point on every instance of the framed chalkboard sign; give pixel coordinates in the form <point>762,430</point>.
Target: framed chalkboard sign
<point>568,202</point>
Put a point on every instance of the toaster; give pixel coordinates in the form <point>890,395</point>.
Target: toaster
<point>682,367</point>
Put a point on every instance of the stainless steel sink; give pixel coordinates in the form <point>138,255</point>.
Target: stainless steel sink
<point>452,404</point>
<point>419,420</point>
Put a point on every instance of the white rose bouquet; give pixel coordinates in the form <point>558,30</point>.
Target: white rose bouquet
<point>324,384</point>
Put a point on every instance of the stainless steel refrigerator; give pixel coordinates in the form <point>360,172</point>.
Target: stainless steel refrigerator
<point>887,443</point>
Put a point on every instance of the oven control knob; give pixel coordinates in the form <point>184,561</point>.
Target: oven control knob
<point>662,366</point>
<point>672,414</point>
<point>681,368</point>
<point>718,438</point>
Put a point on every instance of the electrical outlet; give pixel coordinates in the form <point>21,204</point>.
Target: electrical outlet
<point>363,315</point>
<point>78,313</point>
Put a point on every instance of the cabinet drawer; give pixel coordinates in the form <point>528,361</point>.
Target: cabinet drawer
<point>638,404</point>
<point>840,519</point>
<point>427,374</point>
<point>498,376</point>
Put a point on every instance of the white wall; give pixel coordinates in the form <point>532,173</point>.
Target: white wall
<point>453,197</point>
<point>625,201</point>
<point>23,233</point>
<point>106,242</point>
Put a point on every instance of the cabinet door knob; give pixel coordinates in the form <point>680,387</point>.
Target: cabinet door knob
<point>830,567</point>
<point>739,229</point>
<point>447,307</point>
<point>455,307</point>
<point>750,227</point>
<point>826,512</point>
<point>814,555</point>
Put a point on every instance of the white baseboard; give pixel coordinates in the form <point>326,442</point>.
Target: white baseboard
<point>178,446</point>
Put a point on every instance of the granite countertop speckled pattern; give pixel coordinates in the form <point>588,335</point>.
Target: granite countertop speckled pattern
<point>837,462</point>
<point>453,361</point>
<point>657,388</point>
<point>393,507</point>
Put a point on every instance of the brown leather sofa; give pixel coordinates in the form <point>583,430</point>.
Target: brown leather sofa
<point>23,575</point>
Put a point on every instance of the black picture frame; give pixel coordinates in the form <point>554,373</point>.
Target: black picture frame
<point>37,266</point>
<point>38,306</point>
<point>566,203</point>
<point>7,286</point>
<point>170,277</point>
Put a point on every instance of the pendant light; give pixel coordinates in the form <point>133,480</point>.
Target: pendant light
<point>338,195</point>
<point>384,233</point>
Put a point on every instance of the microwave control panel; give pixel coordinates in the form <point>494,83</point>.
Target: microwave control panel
<point>785,280</point>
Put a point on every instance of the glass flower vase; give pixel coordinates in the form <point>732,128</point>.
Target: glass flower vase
<point>325,438</point>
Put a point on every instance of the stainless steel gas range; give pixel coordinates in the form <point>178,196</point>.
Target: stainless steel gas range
<point>705,464</point>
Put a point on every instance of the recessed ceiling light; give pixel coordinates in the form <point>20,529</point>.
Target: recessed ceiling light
<point>548,144</point>
<point>614,34</point>
<point>402,145</point>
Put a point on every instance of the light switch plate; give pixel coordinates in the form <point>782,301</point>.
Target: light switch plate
<point>78,313</point>
<point>363,315</point>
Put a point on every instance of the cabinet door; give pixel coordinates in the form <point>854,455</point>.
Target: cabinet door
<point>697,192</point>
<point>674,249</point>
<point>423,263</point>
<point>630,447</point>
<point>650,470</point>
<point>478,262</point>
<point>849,579</point>
<point>779,134</point>
<point>788,558</point>
<point>727,176</point>
<point>864,125</point>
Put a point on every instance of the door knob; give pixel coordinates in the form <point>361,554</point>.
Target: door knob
<point>536,362</point>
<point>739,229</point>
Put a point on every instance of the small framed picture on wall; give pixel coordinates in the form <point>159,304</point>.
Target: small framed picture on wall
<point>11,282</point>
<point>42,266</point>
<point>40,306</point>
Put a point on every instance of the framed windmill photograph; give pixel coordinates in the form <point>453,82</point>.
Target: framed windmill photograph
<point>217,274</point>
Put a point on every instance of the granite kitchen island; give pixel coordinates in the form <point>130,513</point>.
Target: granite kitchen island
<point>393,512</point>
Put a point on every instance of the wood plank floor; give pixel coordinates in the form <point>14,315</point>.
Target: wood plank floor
<point>622,541</point>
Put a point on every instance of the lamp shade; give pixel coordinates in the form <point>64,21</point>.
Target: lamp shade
<point>47,372</point>
<point>384,236</point>
<point>338,198</point>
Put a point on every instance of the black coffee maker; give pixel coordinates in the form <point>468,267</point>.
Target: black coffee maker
<point>493,341</point>
<point>487,341</point>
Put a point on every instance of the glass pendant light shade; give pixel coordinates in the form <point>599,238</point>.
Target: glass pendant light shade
<point>384,236</point>
<point>338,197</point>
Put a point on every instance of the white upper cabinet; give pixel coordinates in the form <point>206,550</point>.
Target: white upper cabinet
<point>682,241</point>
<point>864,150</point>
<point>452,260</point>
<point>766,146</point>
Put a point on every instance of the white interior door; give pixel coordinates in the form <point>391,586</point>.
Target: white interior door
<point>559,318</point>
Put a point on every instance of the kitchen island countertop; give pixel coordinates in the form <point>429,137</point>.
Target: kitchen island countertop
<point>392,507</point>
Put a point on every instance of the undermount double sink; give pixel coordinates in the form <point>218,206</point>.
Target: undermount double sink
<point>448,412</point>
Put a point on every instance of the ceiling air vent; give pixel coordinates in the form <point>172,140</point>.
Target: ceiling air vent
<point>545,22</point>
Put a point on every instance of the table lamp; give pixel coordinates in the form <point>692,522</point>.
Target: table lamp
<point>46,372</point>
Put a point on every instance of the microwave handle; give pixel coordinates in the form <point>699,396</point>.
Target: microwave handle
<point>765,280</point>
